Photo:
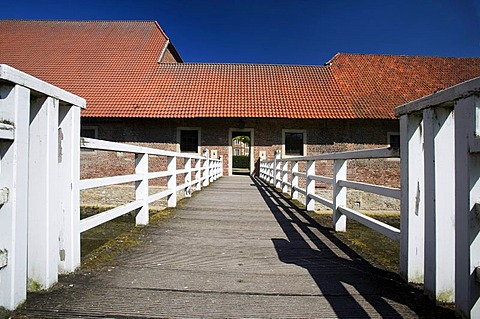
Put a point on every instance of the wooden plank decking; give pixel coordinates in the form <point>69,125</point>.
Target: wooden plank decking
<point>234,250</point>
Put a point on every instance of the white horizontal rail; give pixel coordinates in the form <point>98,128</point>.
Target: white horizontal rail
<point>300,190</point>
<point>385,229</point>
<point>13,75</point>
<point>323,179</point>
<point>321,200</point>
<point>157,196</point>
<point>90,143</point>
<point>159,174</point>
<point>299,174</point>
<point>96,220</point>
<point>7,131</point>
<point>106,181</point>
<point>360,154</point>
<point>370,188</point>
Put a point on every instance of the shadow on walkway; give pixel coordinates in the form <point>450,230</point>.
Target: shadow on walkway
<point>351,285</point>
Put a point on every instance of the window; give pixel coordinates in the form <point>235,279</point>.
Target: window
<point>89,131</point>
<point>394,140</point>
<point>189,140</point>
<point>294,142</point>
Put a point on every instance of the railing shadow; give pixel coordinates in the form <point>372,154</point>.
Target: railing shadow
<point>351,285</point>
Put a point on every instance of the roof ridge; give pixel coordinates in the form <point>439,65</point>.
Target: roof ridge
<point>79,20</point>
<point>246,64</point>
<point>400,55</point>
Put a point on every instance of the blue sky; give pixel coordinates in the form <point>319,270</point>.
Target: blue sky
<point>285,31</point>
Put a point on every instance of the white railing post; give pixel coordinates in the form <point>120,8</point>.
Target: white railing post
<point>43,212</point>
<point>13,214</point>
<point>172,181</point>
<point>198,174</point>
<point>438,144</point>
<point>262,170</point>
<point>211,170</point>
<point>188,177</point>
<point>278,170</point>
<point>294,170</point>
<point>206,168</point>
<point>285,177</point>
<point>467,210</point>
<point>310,186</point>
<point>68,187</point>
<point>412,217</point>
<point>221,166</point>
<point>339,195</point>
<point>141,188</point>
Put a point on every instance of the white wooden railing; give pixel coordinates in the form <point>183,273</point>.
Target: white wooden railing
<point>440,193</point>
<point>197,170</point>
<point>40,183</point>
<point>440,166</point>
<point>284,174</point>
<point>39,143</point>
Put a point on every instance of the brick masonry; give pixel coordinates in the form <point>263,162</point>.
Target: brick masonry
<point>323,136</point>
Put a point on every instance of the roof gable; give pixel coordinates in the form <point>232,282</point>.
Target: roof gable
<point>98,60</point>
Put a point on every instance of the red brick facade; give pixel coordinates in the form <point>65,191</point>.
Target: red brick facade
<point>323,136</point>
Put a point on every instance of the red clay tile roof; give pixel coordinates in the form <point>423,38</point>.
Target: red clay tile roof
<point>245,90</point>
<point>106,62</point>
<point>374,84</point>
<point>114,66</point>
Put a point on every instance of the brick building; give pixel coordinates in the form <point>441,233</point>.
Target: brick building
<point>138,90</point>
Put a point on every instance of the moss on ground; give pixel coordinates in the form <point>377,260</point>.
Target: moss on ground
<point>105,254</point>
<point>379,250</point>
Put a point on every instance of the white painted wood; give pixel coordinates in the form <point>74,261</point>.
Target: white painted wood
<point>98,219</point>
<point>172,180</point>
<point>141,189</point>
<point>339,195</point>
<point>188,177</point>
<point>198,175</point>
<point>15,76</point>
<point>68,187</point>
<point>14,103</point>
<point>360,154</point>
<point>467,223</point>
<point>90,143</point>
<point>439,197</point>
<point>310,186</point>
<point>323,179</point>
<point>382,228</point>
<point>448,95</point>
<point>300,190</point>
<point>159,174</point>
<point>278,172</point>
<point>294,170</point>
<point>211,170</point>
<point>322,200</point>
<point>7,132</point>
<point>113,180</point>
<point>44,207</point>
<point>370,188</point>
<point>157,196</point>
<point>412,200</point>
<point>300,174</point>
<point>284,177</point>
<point>206,168</point>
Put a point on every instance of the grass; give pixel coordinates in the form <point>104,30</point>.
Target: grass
<point>380,251</point>
<point>101,245</point>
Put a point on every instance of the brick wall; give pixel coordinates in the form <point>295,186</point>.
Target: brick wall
<point>323,136</point>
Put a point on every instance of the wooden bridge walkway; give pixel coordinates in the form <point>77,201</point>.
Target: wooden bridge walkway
<point>234,250</point>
